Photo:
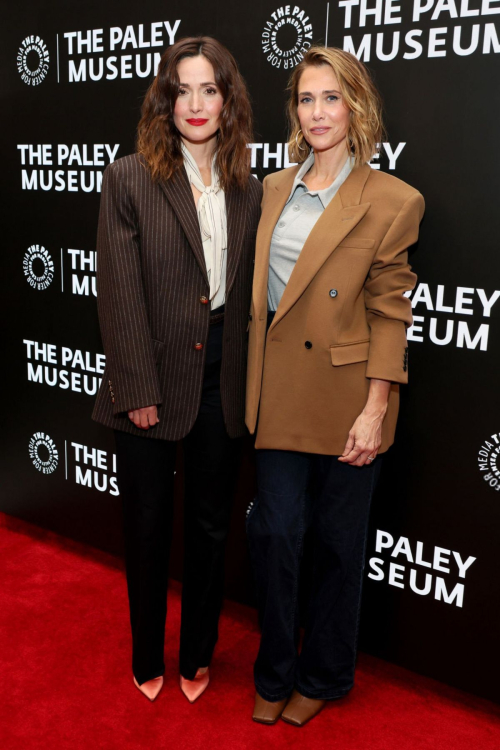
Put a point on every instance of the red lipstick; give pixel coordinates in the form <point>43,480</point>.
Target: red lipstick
<point>197,121</point>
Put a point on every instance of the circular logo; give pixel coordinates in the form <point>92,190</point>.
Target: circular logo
<point>43,453</point>
<point>33,60</point>
<point>286,37</point>
<point>38,267</point>
<point>488,462</point>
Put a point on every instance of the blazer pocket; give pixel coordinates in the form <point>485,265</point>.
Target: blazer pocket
<point>349,354</point>
<point>357,242</point>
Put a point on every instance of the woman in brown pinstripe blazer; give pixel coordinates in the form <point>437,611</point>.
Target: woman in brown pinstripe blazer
<point>175,245</point>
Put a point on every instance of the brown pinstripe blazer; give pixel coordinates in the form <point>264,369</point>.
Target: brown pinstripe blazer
<point>150,277</point>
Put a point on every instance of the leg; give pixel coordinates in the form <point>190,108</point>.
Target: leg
<point>275,528</point>
<point>145,470</point>
<point>341,503</point>
<point>211,463</point>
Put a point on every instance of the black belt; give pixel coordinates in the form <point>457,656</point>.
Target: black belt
<point>217,315</point>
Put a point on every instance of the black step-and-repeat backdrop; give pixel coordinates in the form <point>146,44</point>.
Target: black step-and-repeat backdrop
<point>73,78</point>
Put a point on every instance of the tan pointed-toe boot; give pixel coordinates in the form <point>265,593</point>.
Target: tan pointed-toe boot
<point>300,710</point>
<point>267,712</point>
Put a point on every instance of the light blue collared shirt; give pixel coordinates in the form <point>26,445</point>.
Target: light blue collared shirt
<point>301,212</point>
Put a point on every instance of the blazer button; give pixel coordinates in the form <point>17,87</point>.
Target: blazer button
<point>198,346</point>
<point>333,293</point>
<point>308,345</point>
<point>204,300</point>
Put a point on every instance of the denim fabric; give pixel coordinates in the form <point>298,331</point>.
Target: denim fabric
<point>299,492</point>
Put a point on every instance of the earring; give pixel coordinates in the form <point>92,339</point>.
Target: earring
<point>296,140</point>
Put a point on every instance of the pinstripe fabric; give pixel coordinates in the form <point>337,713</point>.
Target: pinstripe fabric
<point>150,277</point>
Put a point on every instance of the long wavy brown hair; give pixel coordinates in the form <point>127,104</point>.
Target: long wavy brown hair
<point>360,96</point>
<point>158,139</point>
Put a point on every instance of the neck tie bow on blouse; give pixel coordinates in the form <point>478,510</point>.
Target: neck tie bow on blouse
<point>212,218</point>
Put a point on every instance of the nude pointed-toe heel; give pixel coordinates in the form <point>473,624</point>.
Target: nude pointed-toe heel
<point>192,689</point>
<point>151,688</point>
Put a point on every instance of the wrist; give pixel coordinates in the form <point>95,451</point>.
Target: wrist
<point>375,410</point>
<point>378,399</point>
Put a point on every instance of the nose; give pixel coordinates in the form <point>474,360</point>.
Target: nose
<point>318,110</point>
<point>195,104</point>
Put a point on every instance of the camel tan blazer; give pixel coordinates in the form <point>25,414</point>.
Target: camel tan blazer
<point>342,318</point>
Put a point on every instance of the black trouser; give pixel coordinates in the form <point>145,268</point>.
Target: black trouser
<point>145,469</point>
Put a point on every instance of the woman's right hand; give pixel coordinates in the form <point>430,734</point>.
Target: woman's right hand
<point>145,417</point>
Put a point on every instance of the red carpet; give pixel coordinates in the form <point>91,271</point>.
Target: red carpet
<point>66,680</point>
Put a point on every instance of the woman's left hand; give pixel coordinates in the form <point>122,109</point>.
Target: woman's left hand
<point>365,436</point>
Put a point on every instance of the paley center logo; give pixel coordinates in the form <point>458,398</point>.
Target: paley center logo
<point>488,461</point>
<point>85,465</point>
<point>77,270</point>
<point>98,54</point>
<point>33,60</point>
<point>286,36</point>
<point>43,453</point>
<point>38,267</point>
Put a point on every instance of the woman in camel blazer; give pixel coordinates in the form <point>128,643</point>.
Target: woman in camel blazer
<point>327,352</point>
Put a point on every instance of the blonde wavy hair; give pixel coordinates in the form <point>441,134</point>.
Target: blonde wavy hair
<point>359,94</point>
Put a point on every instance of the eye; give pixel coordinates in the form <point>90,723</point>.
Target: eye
<point>210,90</point>
<point>181,92</point>
<point>332,98</point>
<point>305,99</point>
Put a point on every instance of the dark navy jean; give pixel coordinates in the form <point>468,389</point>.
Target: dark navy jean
<point>299,492</point>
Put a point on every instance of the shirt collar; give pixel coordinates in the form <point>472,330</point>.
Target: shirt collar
<point>326,194</point>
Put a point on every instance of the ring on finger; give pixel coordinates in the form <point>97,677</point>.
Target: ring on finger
<point>371,458</point>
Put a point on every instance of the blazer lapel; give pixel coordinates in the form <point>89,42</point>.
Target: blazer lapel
<point>274,203</point>
<point>236,225</point>
<point>337,220</point>
<point>180,196</point>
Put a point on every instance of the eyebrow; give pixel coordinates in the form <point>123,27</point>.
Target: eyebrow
<point>327,91</point>
<point>207,83</point>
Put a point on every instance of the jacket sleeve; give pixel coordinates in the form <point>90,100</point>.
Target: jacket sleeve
<point>121,302</point>
<point>388,310</point>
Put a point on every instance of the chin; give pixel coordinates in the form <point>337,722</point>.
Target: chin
<point>199,134</point>
<point>195,137</point>
<point>319,145</point>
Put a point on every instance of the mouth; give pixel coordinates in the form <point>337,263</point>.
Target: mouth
<point>197,121</point>
<point>319,131</point>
